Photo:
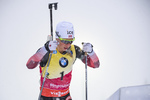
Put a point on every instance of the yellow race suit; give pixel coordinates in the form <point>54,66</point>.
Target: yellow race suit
<point>60,69</point>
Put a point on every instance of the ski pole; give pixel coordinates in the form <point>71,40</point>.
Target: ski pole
<point>51,5</point>
<point>86,84</point>
<point>45,75</point>
<point>86,90</point>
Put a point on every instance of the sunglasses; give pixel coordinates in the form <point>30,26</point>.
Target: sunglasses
<point>65,41</point>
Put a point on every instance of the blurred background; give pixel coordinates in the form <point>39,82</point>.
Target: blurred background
<point>119,31</point>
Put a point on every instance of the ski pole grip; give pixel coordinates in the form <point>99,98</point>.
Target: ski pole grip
<point>85,52</point>
<point>53,4</point>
